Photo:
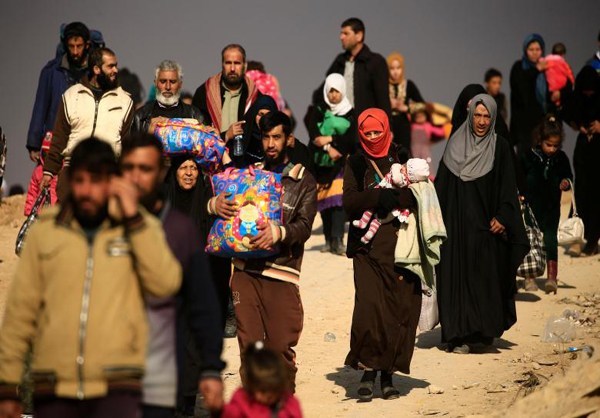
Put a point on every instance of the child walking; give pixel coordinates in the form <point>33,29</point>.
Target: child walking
<point>265,392</point>
<point>34,189</point>
<point>423,132</point>
<point>547,173</point>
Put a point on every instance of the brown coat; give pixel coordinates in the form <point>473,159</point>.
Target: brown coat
<point>299,211</point>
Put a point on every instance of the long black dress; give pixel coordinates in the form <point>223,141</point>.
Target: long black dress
<point>387,300</point>
<point>476,278</point>
<point>584,109</point>
<point>526,112</point>
<point>399,121</point>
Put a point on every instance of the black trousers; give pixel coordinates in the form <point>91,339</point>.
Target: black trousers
<point>333,223</point>
<point>113,405</point>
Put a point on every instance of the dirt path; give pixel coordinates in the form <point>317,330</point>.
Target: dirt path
<point>475,384</point>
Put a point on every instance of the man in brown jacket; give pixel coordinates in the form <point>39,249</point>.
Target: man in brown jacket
<point>265,291</point>
<point>76,297</point>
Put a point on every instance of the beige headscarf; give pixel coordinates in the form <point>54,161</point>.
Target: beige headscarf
<point>396,56</point>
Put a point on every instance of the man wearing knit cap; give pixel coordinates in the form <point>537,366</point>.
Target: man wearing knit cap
<point>57,76</point>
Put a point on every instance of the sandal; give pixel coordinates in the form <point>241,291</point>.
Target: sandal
<point>365,389</point>
<point>461,349</point>
<point>390,392</point>
<point>530,285</point>
<point>387,388</point>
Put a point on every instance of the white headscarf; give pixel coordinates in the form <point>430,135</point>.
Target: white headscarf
<point>468,156</point>
<point>336,81</point>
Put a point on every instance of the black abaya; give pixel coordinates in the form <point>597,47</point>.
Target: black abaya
<point>476,278</point>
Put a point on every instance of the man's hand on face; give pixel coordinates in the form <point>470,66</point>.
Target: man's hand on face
<point>127,194</point>
<point>236,128</point>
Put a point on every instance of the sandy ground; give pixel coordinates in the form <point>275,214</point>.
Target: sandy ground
<point>481,383</point>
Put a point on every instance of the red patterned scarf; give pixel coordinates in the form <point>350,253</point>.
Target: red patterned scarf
<point>214,99</point>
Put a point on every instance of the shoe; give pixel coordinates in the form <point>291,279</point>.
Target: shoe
<point>551,285</point>
<point>461,349</point>
<point>530,285</point>
<point>326,248</point>
<point>388,390</point>
<point>230,327</point>
<point>574,250</point>
<point>338,247</point>
<point>590,249</point>
<point>365,389</point>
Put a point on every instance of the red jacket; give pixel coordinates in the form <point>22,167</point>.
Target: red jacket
<point>242,405</point>
<point>33,191</point>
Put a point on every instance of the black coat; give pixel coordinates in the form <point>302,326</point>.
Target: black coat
<point>142,117</point>
<point>370,79</point>
<point>199,100</point>
<point>526,112</point>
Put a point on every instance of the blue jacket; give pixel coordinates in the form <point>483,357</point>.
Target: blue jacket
<point>55,78</point>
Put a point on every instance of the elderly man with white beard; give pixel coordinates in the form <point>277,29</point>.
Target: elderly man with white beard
<point>168,79</point>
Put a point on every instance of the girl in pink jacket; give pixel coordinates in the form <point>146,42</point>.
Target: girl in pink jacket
<point>265,392</point>
<point>423,133</point>
<point>34,189</point>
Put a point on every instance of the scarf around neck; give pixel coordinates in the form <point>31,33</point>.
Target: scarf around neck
<point>214,99</point>
<point>468,156</point>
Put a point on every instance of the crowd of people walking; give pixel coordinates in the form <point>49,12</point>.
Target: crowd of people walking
<point>121,309</point>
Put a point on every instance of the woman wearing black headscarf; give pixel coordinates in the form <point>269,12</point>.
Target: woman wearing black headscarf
<point>189,191</point>
<point>529,98</point>
<point>486,242</point>
<point>585,117</point>
<point>528,92</point>
<point>252,141</point>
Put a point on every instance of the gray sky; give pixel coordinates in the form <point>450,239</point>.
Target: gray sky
<point>446,44</point>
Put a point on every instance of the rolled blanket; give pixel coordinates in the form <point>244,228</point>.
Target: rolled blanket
<point>419,241</point>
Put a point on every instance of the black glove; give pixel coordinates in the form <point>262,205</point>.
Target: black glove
<point>388,201</point>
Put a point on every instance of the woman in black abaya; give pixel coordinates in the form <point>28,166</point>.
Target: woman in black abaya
<point>585,110</point>
<point>188,190</point>
<point>477,190</point>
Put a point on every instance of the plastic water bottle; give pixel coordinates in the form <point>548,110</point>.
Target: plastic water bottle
<point>238,146</point>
